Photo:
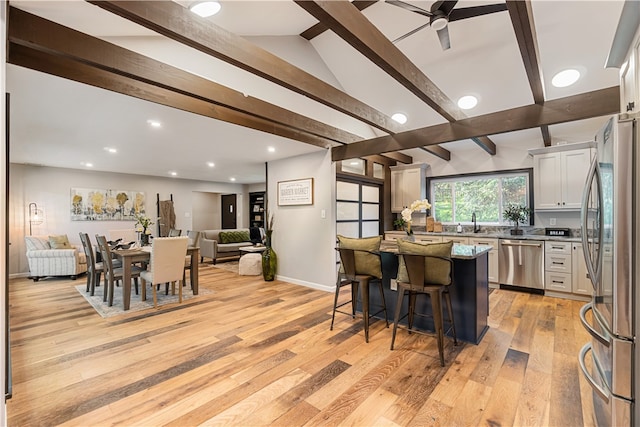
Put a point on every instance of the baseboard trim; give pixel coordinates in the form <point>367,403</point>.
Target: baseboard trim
<point>306,284</point>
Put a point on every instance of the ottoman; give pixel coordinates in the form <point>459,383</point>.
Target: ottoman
<point>250,265</point>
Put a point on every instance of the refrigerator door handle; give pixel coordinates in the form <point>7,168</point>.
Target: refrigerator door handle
<point>597,335</point>
<point>597,388</point>
<point>593,176</point>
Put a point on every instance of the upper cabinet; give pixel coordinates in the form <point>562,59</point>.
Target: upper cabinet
<point>408,183</point>
<point>559,175</point>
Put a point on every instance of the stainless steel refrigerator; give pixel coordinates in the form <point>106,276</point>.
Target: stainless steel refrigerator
<point>610,236</point>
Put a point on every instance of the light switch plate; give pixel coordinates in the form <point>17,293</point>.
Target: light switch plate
<point>394,285</point>
<point>552,221</point>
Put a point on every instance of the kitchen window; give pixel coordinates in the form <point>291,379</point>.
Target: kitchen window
<point>454,199</point>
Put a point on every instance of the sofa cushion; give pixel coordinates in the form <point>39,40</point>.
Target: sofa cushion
<point>437,272</point>
<point>233,236</point>
<point>232,247</point>
<point>35,243</point>
<point>60,242</point>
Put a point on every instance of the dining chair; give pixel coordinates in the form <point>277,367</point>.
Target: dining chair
<point>165,266</point>
<point>173,232</point>
<point>425,270</point>
<point>194,241</point>
<point>113,274</point>
<point>360,267</point>
<point>94,268</point>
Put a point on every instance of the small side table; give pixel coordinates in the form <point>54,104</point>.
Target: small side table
<point>252,250</point>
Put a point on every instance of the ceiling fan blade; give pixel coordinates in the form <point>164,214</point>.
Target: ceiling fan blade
<point>409,7</point>
<point>410,33</point>
<point>445,6</point>
<point>443,35</point>
<point>470,12</point>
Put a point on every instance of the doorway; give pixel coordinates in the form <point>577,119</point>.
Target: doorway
<point>228,203</point>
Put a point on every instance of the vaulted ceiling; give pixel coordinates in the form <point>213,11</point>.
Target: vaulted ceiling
<point>299,77</point>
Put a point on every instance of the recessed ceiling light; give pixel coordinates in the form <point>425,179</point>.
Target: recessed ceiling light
<point>354,163</point>
<point>110,150</point>
<point>565,78</point>
<point>87,164</point>
<point>232,179</point>
<point>205,8</point>
<point>154,123</point>
<point>211,164</point>
<point>271,149</point>
<point>467,102</point>
<point>173,173</point>
<point>400,118</point>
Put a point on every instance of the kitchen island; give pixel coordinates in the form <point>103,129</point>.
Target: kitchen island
<point>469,291</point>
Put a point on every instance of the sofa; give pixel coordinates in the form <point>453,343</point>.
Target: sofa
<point>54,256</point>
<point>218,244</point>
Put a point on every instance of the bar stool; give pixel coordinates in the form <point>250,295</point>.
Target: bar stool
<point>429,271</point>
<point>359,268</point>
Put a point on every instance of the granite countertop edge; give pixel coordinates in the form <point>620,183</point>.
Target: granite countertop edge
<point>498,236</point>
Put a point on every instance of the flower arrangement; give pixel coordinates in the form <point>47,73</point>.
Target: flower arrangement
<point>417,205</point>
<point>143,223</point>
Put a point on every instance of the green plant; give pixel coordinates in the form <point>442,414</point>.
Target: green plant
<point>399,223</point>
<point>516,214</point>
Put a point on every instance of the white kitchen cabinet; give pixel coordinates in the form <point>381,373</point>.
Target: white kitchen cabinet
<point>408,183</point>
<point>559,178</point>
<point>630,79</point>
<point>428,239</point>
<point>456,240</point>
<point>580,282</point>
<point>493,256</point>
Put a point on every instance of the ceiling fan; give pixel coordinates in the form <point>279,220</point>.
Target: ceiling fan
<point>441,13</point>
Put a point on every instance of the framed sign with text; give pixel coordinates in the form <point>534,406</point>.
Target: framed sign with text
<point>295,192</point>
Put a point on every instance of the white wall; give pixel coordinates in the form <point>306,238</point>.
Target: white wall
<point>205,211</point>
<point>303,240</point>
<point>50,188</point>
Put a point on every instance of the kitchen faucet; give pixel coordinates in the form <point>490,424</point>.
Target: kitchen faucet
<point>475,224</point>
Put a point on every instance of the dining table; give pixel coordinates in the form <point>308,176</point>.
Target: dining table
<point>143,255</point>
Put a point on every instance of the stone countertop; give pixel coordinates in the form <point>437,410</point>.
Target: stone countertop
<point>457,251</point>
<point>482,235</point>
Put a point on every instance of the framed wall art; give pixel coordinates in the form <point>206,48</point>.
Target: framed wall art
<point>295,192</point>
<point>88,204</point>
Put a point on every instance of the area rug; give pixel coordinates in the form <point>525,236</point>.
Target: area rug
<point>137,304</point>
<point>231,266</point>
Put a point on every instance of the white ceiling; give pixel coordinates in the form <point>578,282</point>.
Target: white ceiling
<point>56,122</point>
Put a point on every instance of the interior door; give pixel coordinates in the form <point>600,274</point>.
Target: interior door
<point>229,211</point>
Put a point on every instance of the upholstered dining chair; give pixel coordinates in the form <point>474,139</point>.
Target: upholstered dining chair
<point>425,270</point>
<point>173,232</point>
<point>360,267</point>
<point>113,274</point>
<point>94,269</point>
<point>166,265</point>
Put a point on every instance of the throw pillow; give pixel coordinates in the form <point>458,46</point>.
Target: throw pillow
<point>436,271</point>
<point>37,243</point>
<point>234,236</point>
<point>60,242</point>
<point>367,264</point>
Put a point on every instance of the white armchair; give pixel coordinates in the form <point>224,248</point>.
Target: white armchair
<point>47,261</point>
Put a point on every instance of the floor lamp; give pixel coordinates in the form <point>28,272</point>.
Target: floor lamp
<point>34,216</point>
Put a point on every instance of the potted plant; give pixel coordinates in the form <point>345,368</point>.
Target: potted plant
<point>516,214</point>
<point>399,223</point>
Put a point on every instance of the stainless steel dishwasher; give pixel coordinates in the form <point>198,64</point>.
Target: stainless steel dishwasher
<point>521,264</point>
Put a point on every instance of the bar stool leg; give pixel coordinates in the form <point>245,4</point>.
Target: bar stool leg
<point>335,303</point>
<point>412,309</point>
<point>396,316</point>
<point>364,285</point>
<point>384,303</point>
<point>436,306</point>
<point>447,298</point>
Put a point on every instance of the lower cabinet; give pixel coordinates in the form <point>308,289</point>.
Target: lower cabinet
<point>565,270</point>
<point>493,256</point>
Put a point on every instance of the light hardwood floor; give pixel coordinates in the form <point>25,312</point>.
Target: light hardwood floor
<point>254,353</point>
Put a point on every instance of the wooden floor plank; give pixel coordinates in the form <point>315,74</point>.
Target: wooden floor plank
<point>261,353</point>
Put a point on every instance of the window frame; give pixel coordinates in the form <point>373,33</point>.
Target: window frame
<point>498,174</point>
<point>368,181</point>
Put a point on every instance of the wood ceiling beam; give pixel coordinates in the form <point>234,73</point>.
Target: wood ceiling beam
<point>320,28</point>
<point>177,23</point>
<point>597,103</point>
<point>353,27</point>
<point>25,56</point>
<point>525,30</point>
<point>44,35</point>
